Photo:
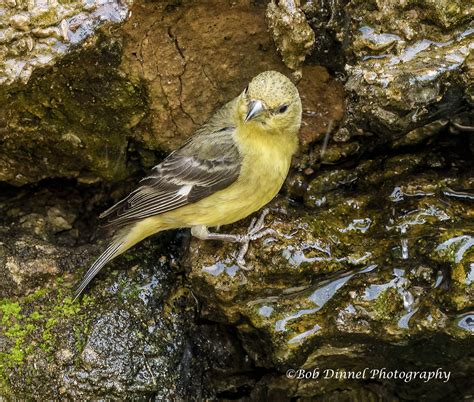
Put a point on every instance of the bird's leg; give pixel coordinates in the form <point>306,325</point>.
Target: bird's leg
<point>254,232</point>
<point>202,233</point>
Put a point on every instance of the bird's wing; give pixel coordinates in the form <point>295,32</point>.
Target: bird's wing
<point>208,162</point>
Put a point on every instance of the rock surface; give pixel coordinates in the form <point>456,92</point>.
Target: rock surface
<point>135,335</point>
<point>36,34</point>
<point>408,65</point>
<point>127,94</point>
<point>379,264</point>
<point>373,264</point>
<point>293,36</point>
<point>103,111</point>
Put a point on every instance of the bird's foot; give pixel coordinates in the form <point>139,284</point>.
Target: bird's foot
<point>255,231</point>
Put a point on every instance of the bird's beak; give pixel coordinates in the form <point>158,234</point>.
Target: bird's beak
<point>256,108</point>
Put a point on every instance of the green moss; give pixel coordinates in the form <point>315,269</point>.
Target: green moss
<point>128,257</point>
<point>17,335</point>
<point>80,115</point>
<point>387,304</point>
<point>68,308</point>
<point>35,295</point>
<point>32,322</point>
<point>17,354</point>
<point>35,316</point>
<point>80,334</point>
<point>133,293</point>
<point>9,310</point>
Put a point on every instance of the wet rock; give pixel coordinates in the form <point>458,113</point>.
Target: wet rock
<point>400,93</point>
<point>404,76</point>
<point>135,331</point>
<point>98,347</point>
<point>291,32</point>
<point>74,121</point>
<point>381,263</point>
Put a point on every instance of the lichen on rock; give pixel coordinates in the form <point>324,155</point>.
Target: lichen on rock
<point>292,34</point>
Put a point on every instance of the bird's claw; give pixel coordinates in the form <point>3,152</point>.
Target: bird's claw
<point>258,224</point>
<point>254,232</point>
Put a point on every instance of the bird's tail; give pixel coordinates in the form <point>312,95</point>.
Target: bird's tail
<point>114,249</point>
<point>125,239</point>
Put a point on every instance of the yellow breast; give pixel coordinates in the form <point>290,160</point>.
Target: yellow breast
<point>265,165</point>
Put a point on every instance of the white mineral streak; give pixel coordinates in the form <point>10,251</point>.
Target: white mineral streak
<point>37,33</point>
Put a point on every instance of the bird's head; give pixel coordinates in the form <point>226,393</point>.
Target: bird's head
<point>272,103</point>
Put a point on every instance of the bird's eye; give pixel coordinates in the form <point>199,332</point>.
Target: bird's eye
<point>282,108</point>
<point>246,89</point>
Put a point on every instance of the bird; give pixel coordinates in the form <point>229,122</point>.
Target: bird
<point>231,167</point>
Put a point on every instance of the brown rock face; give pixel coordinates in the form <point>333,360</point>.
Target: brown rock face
<point>194,58</point>
<point>293,36</point>
<point>323,103</point>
